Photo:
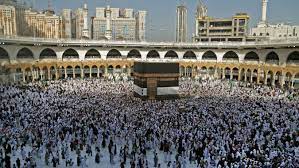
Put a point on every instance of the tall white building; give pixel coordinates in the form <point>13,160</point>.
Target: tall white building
<point>181,24</point>
<point>8,26</point>
<point>67,22</point>
<point>118,24</point>
<point>273,31</point>
<point>140,25</point>
<point>80,23</point>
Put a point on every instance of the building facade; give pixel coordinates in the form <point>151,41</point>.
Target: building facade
<point>80,23</point>
<point>220,29</point>
<point>42,24</point>
<point>278,31</point>
<point>181,24</point>
<point>273,31</point>
<point>67,23</point>
<point>140,25</point>
<point>118,24</point>
<point>8,26</point>
<point>273,63</point>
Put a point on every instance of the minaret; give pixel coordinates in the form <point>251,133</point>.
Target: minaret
<point>201,13</point>
<point>263,22</point>
<point>181,24</point>
<point>85,32</point>
<point>108,33</point>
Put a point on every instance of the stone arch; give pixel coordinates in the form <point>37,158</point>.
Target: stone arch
<point>92,53</point>
<point>171,55</point>
<point>272,58</point>
<point>209,55</point>
<point>134,54</point>
<point>25,53</point>
<point>293,58</point>
<point>86,70</point>
<point>227,72</point>
<point>52,72</point>
<point>70,54</point>
<point>254,75</point>
<point>230,56</point>
<point>235,73</point>
<point>182,70</point>
<point>3,54</point>
<point>101,70</point>
<point>114,53</point>
<point>153,54</point>
<point>45,72</point>
<point>69,71</point>
<point>189,55</point>
<point>28,74</point>
<point>288,79</point>
<point>278,77</point>
<point>77,71</point>
<point>270,77</point>
<point>110,69</point>
<point>94,71</point>
<point>211,71</point>
<point>251,56</point>
<point>48,53</point>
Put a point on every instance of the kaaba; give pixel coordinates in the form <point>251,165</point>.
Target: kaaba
<point>154,80</point>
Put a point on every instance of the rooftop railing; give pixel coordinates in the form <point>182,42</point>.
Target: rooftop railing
<point>87,42</point>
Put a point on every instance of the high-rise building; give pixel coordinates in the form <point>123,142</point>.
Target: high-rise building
<point>140,25</point>
<point>118,24</point>
<point>8,25</point>
<point>220,29</point>
<point>181,24</point>
<point>80,21</point>
<point>67,23</point>
<point>42,24</point>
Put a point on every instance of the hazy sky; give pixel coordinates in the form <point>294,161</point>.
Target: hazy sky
<point>162,13</point>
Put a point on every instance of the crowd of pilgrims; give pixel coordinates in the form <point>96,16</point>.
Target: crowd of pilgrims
<point>98,123</point>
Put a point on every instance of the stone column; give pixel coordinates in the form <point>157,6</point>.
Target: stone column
<point>223,73</point>
<point>265,78</point>
<point>74,75</point>
<point>14,77</point>
<point>24,78</point>
<point>90,76</point>
<point>258,76</point>
<point>32,75</point>
<point>282,79</point>
<point>98,73</point>
<point>239,75</point>
<point>231,74</point>
<point>273,80</point>
<point>251,76</point>
<point>65,74</point>
<point>215,73</point>
<point>292,83</point>
<point>129,71</point>
<point>56,74</point>
<point>82,74</point>
<point>106,71</point>
<point>49,75</point>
